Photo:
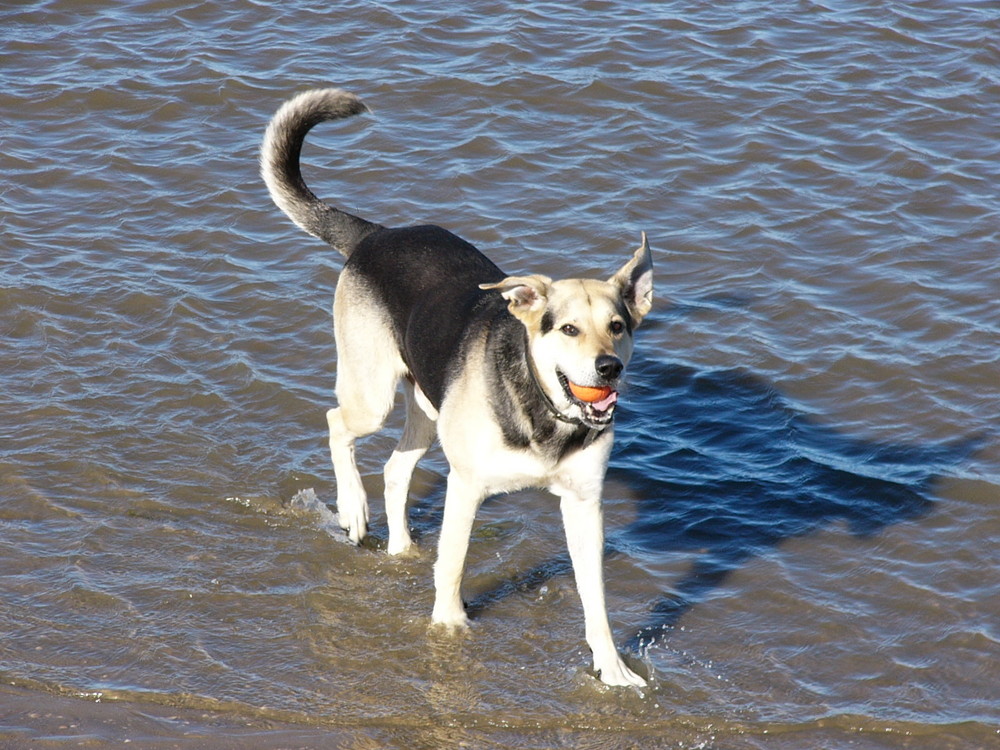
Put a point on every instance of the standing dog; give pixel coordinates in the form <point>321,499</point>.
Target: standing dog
<point>516,375</point>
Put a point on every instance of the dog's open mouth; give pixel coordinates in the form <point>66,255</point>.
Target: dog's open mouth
<point>596,402</point>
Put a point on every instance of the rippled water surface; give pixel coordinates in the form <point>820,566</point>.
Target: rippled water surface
<point>802,505</point>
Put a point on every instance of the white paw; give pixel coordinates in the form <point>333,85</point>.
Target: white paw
<point>353,519</point>
<point>398,546</point>
<point>450,618</point>
<point>617,674</point>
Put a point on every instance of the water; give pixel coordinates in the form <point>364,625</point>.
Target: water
<point>802,503</point>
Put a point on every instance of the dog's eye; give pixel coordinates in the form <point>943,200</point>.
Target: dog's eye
<point>617,327</point>
<point>570,330</point>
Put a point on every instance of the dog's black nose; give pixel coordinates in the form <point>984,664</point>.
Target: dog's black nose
<point>609,367</point>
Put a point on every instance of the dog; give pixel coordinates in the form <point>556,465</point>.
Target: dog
<point>517,376</point>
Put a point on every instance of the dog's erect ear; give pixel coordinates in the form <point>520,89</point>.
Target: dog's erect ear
<point>526,295</point>
<point>635,280</point>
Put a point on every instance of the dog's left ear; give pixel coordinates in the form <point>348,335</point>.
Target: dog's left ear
<point>526,295</point>
<point>635,280</point>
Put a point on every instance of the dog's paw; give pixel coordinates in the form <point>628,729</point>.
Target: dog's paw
<point>452,620</point>
<point>356,529</point>
<point>400,547</point>
<point>617,674</point>
<point>357,532</point>
<point>353,519</point>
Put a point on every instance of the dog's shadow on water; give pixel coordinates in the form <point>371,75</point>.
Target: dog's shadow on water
<point>721,464</point>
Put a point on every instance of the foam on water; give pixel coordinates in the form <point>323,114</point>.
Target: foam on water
<point>308,501</point>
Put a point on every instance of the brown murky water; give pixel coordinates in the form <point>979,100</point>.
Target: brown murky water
<point>803,502</point>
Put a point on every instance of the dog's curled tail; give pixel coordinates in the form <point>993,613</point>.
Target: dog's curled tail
<point>279,166</point>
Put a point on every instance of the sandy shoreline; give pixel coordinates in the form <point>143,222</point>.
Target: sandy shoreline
<point>42,720</point>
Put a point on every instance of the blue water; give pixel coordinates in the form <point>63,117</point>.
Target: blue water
<point>802,501</point>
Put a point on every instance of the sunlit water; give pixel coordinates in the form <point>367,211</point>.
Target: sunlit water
<point>802,502</point>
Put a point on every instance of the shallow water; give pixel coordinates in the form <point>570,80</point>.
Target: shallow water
<point>802,502</point>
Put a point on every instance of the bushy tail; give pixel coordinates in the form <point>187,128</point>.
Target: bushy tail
<point>279,166</point>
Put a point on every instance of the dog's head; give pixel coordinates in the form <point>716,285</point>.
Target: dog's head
<point>580,333</point>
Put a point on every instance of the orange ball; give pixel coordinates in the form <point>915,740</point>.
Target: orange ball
<point>589,393</point>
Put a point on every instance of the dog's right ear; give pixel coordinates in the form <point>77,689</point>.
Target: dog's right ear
<point>526,296</point>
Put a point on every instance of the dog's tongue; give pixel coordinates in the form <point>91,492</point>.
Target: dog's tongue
<point>599,397</point>
<point>605,403</point>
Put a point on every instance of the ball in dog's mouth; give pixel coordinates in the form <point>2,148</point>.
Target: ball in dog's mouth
<point>597,402</point>
<point>588,393</point>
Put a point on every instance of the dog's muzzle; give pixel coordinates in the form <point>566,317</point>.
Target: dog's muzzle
<point>596,403</point>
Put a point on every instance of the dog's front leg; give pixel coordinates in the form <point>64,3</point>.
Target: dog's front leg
<point>460,505</point>
<point>584,522</point>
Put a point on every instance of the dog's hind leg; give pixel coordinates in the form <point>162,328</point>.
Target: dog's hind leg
<point>368,369</point>
<point>352,501</point>
<point>418,434</point>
